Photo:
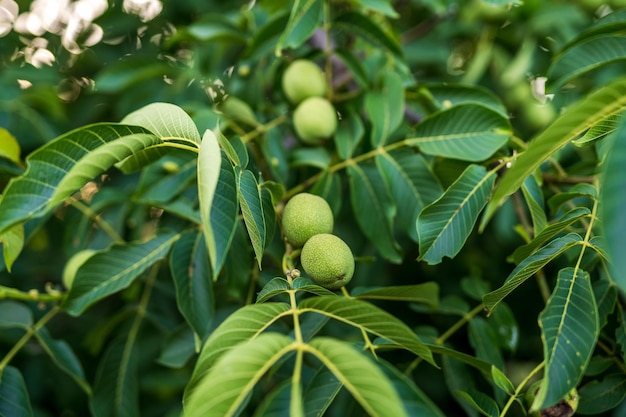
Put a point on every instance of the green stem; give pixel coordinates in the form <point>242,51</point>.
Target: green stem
<point>32,295</point>
<point>519,389</point>
<point>30,331</point>
<point>259,130</point>
<point>93,216</point>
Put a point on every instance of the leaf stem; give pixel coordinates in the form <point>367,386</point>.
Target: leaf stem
<point>31,295</point>
<point>96,218</point>
<point>259,130</point>
<point>520,387</point>
<point>30,331</point>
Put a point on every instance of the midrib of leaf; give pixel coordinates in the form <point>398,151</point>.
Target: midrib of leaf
<point>384,154</point>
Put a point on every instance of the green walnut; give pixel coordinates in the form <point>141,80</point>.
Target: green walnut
<point>303,79</point>
<point>315,119</point>
<point>328,261</point>
<point>71,267</point>
<point>306,215</point>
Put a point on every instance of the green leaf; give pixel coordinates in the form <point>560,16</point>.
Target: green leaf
<point>549,232</point>
<point>577,119</point>
<point>15,314</point>
<point>59,168</point>
<point>64,357</point>
<point>361,25</point>
<point>191,272</point>
<point>467,132</point>
<point>501,381</point>
<point>412,185</point>
<point>242,325</point>
<point>273,288</point>
<point>600,130</point>
<point>167,121</point>
<point>368,190</point>
<point>451,95</point>
<point>385,109</point>
<point>479,364</point>
<point>586,55</point>
<point>484,404</point>
<point>317,157</point>
<point>569,330</point>
<point>131,71</point>
<point>12,244</point>
<point>529,266</point>
<point>252,210</point>
<point>534,200</point>
<point>600,396</point>
<point>14,399</point>
<point>612,203</point>
<point>605,294</point>
<point>350,132</point>
<point>9,147</point>
<point>276,402</point>
<point>360,376</point>
<point>320,392</point>
<point>485,342</point>
<point>116,387</point>
<point>369,318</point>
<point>426,293</point>
<point>444,225</point>
<point>227,384</point>
<point>108,272</point>
<point>579,190</point>
<point>381,6</point>
<point>307,285</point>
<point>304,19</point>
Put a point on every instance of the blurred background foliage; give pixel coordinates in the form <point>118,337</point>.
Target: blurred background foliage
<point>66,64</point>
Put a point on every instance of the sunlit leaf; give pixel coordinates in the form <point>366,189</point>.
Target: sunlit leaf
<point>14,398</point>
<point>9,146</point>
<point>12,243</point>
<point>191,272</point>
<point>359,375</point>
<point>468,132</point>
<point>444,225</point>
<point>569,330</point>
<point>252,210</point>
<point>530,266</point>
<point>58,169</point>
<point>579,117</point>
<point>110,271</point>
<point>369,318</point>
<point>368,190</point>
<point>167,121</point>
<point>225,387</point>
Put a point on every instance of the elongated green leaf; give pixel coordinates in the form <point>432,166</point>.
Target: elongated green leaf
<point>62,166</point>
<point>479,364</point>
<point>276,402</point>
<point>534,200</point>
<point>191,272</point>
<point>269,216</point>
<point>414,401</point>
<point>577,119</point>
<point>427,293</point>
<point>599,396</point>
<point>167,121</point>
<point>600,130</point>
<point>273,288</point>
<point>305,284</point>
<point>381,6</point>
<point>444,225</point>
<point>579,190</point>
<point>529,266</point>
<point>484,404</point>
<point>586,55</point>
<point>549,232</point>
<point>362,378</point>
<point>252,210</point>
<point>116,388</point>
<point>484,340</point>
<point>108,272</point>
<point>385,109</point>
<point>612,203</point>
<point>412,185</point>
<point>12,243</point>
<point>14,399</point>
<point>368,190</point>
<point>501,381</point>
<point>605,294</point>
<point>9,146</point>
<point>15,314</point>
<point>242,325</point>
<point>370,318</point>
<point>320,393</point>
<point>63,356</point>
<point>350,132</point>
<point>569,329</point>
<point>450,95</point>
<point>361,25</point>
<point>304,19</point>
<point>225,387</point>
<point>468,132</point>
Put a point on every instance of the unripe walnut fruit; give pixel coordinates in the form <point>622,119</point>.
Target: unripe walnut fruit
<point>303,79</point>
<point>315,119</point>
<point>306,215</point>
<point>71,267</point>
<point>328,261</point>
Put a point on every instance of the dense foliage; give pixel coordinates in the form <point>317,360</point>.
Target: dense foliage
<point>474,169</point>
